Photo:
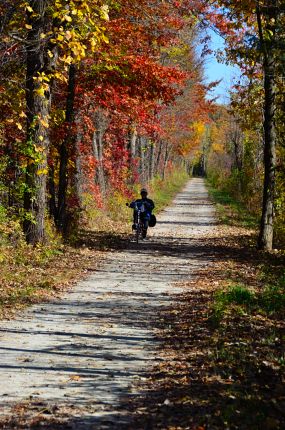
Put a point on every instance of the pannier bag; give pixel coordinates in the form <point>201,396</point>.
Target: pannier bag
<point>152,220</point>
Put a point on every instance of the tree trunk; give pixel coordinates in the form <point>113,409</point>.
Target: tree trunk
<point>79,177</point>
<point>65,149</point>
<point>236,138</point>
<point>142,160</point>
<point>166,158</point>
<point>158,157</point>
<point>98,152</point>
<point>265,240</point>
<point>38,109</point>
<point>133,142</point>
<point>151,160</point>
<point>52,193</point>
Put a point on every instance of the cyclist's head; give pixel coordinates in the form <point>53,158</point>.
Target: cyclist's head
<point>143,192</point>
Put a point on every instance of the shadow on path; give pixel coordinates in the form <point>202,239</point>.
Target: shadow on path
<point>192,391</point>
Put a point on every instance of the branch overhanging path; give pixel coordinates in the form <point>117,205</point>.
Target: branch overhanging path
<point>81,357</point>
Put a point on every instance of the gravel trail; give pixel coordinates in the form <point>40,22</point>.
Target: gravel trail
<point>79,357</point>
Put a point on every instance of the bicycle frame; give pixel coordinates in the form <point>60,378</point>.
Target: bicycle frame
<point>138,223</point>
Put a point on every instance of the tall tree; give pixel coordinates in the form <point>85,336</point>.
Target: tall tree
<point>59,33</point>
<point>267,18</point>
<point>38,98</point>
<point>251,29</point>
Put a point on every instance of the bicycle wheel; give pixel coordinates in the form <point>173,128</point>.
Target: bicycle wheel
<point>138,232</point>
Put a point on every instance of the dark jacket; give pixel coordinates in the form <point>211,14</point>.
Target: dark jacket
<point>149,205</point>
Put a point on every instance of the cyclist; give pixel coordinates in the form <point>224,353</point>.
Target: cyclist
<point>146,205</point>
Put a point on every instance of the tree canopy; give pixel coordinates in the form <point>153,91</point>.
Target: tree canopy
<point>99,96</point>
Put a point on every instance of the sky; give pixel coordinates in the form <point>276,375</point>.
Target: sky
<point>215,71</point>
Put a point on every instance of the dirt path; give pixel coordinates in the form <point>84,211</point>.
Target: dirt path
<point>79,358</point>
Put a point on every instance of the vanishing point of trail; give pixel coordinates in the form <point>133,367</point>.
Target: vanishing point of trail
<point>80,358</point>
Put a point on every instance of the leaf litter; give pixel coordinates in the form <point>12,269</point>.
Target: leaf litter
<point>219,373</point>
<point>211,373</point>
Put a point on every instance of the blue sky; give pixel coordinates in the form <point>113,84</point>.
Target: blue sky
<point>215,71</point>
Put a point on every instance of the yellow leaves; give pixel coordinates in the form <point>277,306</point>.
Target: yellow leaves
<point>60,37</point>
<point>77,27</point>
<point>93,44</point>
<point>67,18</point>
<point>42,172</point>
<point>60,76</point>
<point>58,116</point>
<point>104,38</point>
<point>39,149</point>
<point>79,14</point>
<point>79,51</point>
<point>42,77</point>
<point>199,128</point>
<point>57,75</point>
<point>42,81</point>
<point>44,122</point>
<point>268,34</point>
<point>17,123</point>
<point>71,164</point>
<point>40,92</point>
<point>67,59</point>
<point>218,148</point>
<point>75,50</point>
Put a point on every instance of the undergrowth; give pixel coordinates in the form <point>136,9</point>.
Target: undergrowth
<point>241,299</point>
<point>163,191</point>
<point>268,297</point>
<point>230,211</point>
<point>32,274</point>
<point>114,216</point>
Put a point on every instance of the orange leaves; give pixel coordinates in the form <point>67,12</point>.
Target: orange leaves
<point>218,147</point>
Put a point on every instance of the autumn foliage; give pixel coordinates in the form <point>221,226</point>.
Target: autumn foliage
<point>94,99</point>
<point>97,97</point>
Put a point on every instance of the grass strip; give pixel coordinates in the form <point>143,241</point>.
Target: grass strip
<point>229,210</point>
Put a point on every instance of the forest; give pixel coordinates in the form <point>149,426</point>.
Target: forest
<point>98,97</point>
<point>184,328</point>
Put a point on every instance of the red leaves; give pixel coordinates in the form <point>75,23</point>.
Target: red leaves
<point>132,79</point>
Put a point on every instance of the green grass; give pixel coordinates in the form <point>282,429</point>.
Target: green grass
<point>237,294</point>
<point>229,210</point>
<point>272,299</point>
<point>236,298</point>
<point>240,299</point>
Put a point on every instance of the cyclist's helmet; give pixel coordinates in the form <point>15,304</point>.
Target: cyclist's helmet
<point>144,191</point>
